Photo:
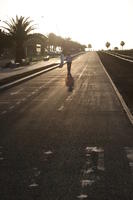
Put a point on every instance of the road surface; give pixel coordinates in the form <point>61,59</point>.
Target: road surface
<point>63,145</point>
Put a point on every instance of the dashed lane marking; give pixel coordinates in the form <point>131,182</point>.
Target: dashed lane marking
<point>16,92</point>
<point>82,72</point>
<point>29,95</point>
<point>4,112</point>
<point>129,153</point>
<point>69,98</point>
<point>92,171</point>
<point>48,152</point>
<point>61,108</point>
<point>19,102</point>
<point>32,185</point>
<point>11,107</point>
<point>23,99</point>
<point>82,196</point>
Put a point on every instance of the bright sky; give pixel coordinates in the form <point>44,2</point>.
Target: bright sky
<point>85,21</point>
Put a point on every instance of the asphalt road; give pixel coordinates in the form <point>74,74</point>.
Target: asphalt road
<point>61,145</point>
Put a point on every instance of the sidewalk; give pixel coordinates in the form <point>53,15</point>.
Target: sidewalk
<point>10,72</point>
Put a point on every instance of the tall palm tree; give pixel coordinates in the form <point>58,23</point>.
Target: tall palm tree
<point>18,30</point>
<point>122,43</point>
<point>107,44</point>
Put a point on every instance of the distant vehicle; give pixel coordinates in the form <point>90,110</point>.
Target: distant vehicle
<point>46,58</point>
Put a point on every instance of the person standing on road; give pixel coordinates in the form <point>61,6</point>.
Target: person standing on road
<point>69,63</point>
<point>61,59</point>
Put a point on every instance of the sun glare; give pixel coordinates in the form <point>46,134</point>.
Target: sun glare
<point>86,21</point>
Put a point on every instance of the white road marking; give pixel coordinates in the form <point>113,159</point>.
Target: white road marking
<point>100,154</point>
<point>23,99</point>
<point>129,153</point>
<point>82,72</point>
<point>48,152</point>
<point>61,108</point>
<point>69,98</point>
<point>29,95</point>
<point>101,161</point>
<point>4,112</point>
<point>94,163</point>
<point>85,183</point>
<point>82,196</point>
<point>19,102</point>
<point>11,107</point>
<point>33,185</point>
<point>16,92</point>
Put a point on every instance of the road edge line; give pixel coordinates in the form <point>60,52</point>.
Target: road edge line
<point>125,59</point>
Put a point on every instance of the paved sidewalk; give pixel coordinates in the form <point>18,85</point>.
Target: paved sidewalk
<point>8,72</point>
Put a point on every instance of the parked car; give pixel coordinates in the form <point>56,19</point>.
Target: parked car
<point>46,58</point>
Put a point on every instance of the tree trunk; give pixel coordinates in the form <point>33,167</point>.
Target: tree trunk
<point>20,53</point>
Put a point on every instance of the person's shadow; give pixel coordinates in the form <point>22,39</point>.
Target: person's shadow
<point>69,82</point>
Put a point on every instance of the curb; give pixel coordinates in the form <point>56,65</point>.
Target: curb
<point>26,76</point>
<point>11,81</point>
<point>21,75</point>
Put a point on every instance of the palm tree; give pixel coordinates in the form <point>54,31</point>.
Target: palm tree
<point>122,43</point>
<point>107,44</point>
<point>18,30</point>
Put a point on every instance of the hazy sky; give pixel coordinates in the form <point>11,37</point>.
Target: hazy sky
<point>85,21</point>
